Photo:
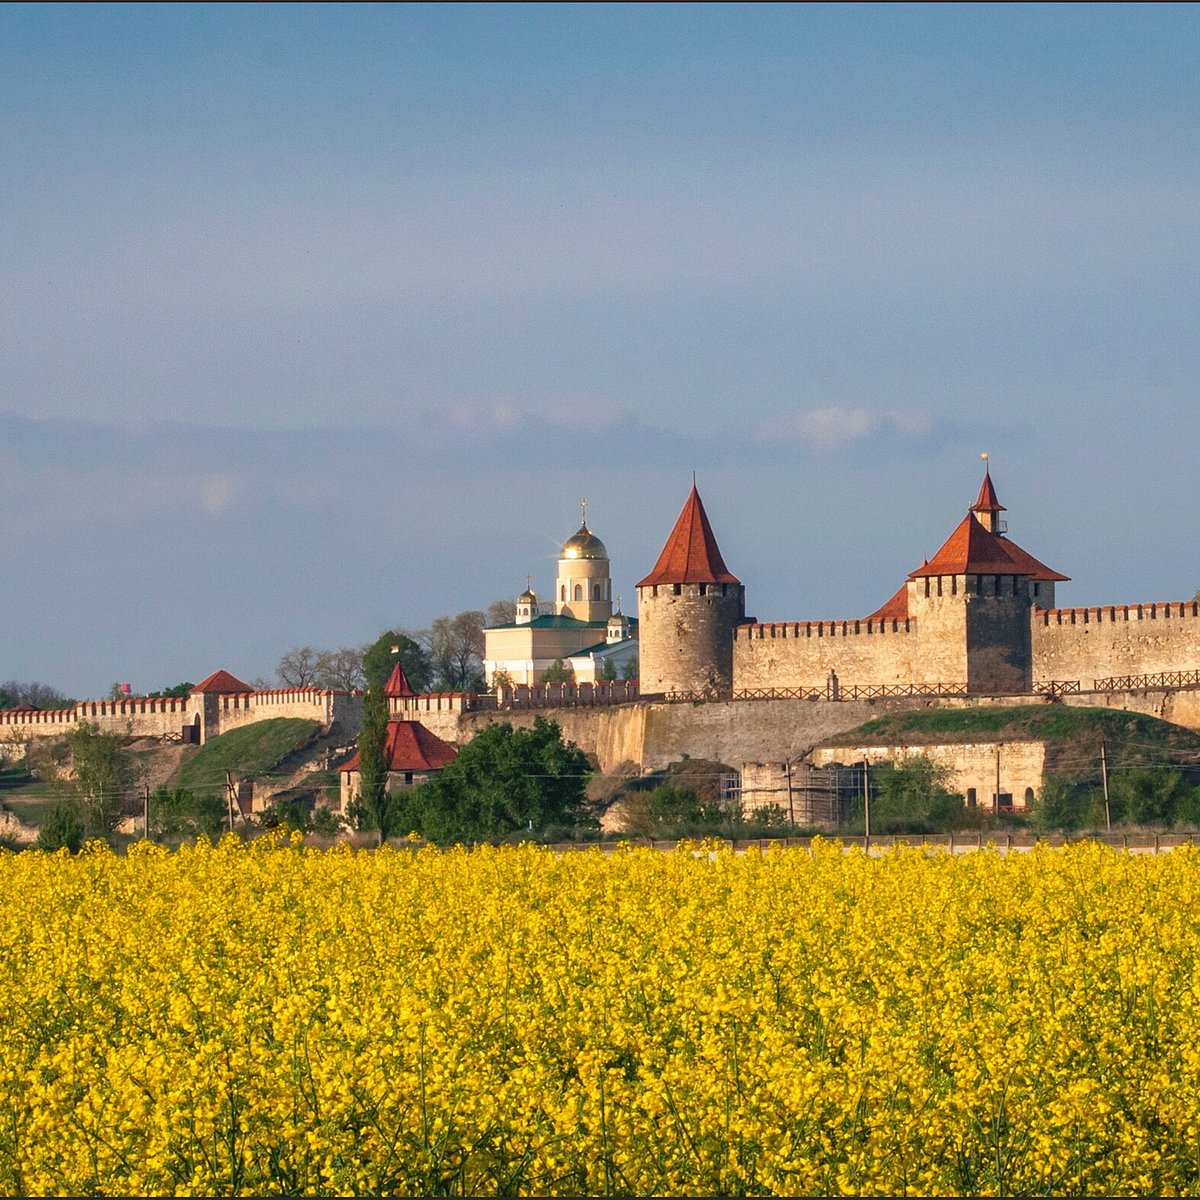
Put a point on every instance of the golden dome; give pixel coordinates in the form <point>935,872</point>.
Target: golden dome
<point>585,544</point>
<point>527,597</point>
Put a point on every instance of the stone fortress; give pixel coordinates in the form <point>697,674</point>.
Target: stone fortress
<point>977,624</point>
<point>978,619</point>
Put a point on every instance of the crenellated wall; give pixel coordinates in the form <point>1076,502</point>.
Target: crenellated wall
<point>800,654</point>
<point>166,717</point>
<point>1118,640</point>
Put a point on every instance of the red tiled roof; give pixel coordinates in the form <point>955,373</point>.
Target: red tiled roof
<point>895,609</point>
<point>972,550</point>
<point>410,747</point>
<point>987,501</point>
<point>397,684</point>
<point>691,554</point>
<point>222,682</point>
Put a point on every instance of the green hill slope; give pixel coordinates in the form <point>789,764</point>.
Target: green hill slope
<point>1073,736</point>
<point>251,750</point>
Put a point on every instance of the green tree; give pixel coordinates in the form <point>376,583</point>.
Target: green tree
<point>179,691</point>
<point>180,812</point>
<point>1058,807</point>
<point>63,827</point>
<point>1148,795</point>
<point>911,796</point>
<point>103,776</point>
<point>629,669</point>
<point>374,803</point>
<point>608,671</point>
<point>382,654</point>
<point>503,780</point>
<point>557,672</point>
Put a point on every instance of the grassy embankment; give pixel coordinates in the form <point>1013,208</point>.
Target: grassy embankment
<point>1073,736</point>
<point>244,753</point>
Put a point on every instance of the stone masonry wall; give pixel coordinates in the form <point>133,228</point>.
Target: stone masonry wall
<point>972,765</point>
<point>801,654</point>
<point>1098,643</point>
<point>685,638</point>
<point>999,658</point>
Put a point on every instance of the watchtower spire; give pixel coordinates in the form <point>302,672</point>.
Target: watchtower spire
<point>987,508</point>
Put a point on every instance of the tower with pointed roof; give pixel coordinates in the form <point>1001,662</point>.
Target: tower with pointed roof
<point>973,603</point>
<point>688,609</point>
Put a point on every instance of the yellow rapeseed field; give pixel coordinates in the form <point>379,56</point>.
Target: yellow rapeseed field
<point>273,1019</point>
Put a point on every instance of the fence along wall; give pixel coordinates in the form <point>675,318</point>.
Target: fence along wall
<point>1131,639</point>
<point>800,654</point>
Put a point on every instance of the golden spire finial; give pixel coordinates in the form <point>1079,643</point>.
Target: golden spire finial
<point>984,456</point>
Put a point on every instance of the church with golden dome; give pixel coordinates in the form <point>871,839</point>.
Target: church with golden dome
<point>577,630</point>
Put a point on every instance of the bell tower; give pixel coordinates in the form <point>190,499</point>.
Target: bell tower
<point>583,589</point>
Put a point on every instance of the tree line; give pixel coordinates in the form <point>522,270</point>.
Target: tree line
<point>445,657</point>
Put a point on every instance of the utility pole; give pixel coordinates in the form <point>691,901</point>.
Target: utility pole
<point>1104,780</point>
<point>996,794</point>
<point>229,798</point>
<point>866,806</point>
<point>146,811</point>
<point>787,767</point>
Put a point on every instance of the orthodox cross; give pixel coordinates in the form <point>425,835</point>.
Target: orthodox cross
<point>583,505</point>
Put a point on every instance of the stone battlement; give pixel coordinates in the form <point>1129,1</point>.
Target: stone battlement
<point>822,629</point>
<point>1160,610</point>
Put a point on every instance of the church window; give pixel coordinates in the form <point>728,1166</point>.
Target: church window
<point>578,592</point>
<point>562,593</point>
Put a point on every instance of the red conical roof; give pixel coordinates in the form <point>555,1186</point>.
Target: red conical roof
<point>397,684</point>
<point>691,554</point>
<point>223,683</point>
<point>987,501</point>
<point>410,747</point>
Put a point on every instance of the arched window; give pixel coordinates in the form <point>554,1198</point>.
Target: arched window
<point>595,591</point>
<point>578,592</point>
<point>562,595</point>
<point>1028,797</point>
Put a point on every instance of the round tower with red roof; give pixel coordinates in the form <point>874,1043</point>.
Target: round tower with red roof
<point>688,609</point>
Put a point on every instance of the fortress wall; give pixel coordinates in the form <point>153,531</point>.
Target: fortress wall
<point>972,765</point>
<point>800,654</point>
<point>137,717</point>
<point>651,735</point>
<point>1178,707</point>
<point>308,704</point>
<point>1133,639</point>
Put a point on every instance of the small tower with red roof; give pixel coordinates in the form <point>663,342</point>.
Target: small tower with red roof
<point>688,609</point>
<point>973,603</point>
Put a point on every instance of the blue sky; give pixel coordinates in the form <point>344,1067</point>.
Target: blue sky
<point>319,320</point>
